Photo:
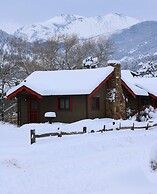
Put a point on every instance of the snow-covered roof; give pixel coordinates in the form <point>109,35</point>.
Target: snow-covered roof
<point>130,81</point>
<point>148,84</point>
<point>64,82</point>
<point>84,81</point>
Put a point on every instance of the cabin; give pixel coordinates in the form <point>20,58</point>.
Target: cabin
<point>77,94</point>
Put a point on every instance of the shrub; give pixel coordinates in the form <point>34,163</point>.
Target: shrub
<point>146,113</point>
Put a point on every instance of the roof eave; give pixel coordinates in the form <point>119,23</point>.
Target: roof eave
<point>128,88</point>
<point>13,94</point>
<point>152,95</point>
<point>100,85</point>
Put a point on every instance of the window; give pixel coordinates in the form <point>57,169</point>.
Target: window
<point>96,103</point>
<point>64,103</point>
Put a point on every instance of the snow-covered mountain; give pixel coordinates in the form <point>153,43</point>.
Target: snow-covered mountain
<point>85,27</point>
<point>133,41</point>
<point>138,39</point>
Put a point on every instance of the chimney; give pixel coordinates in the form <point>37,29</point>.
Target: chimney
<point>115,100</point>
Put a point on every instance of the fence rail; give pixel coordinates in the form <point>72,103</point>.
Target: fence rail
<point>33,135</point>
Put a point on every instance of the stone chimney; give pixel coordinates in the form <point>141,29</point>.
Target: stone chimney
<point>115,100</point>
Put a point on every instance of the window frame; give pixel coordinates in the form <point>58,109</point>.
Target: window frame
<point>64,103</point>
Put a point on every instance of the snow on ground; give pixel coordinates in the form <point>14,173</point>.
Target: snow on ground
<point>114,162</point>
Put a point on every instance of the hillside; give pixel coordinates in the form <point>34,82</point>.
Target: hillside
<point>139,42</point>
<point>138,39</point>
<point>5,39</point>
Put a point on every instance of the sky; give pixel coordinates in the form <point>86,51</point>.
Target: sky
<point>16,13</point>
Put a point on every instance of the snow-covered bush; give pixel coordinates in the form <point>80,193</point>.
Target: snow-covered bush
<point>90,62</point>
<point>128,113</point>
<point>146,114</point>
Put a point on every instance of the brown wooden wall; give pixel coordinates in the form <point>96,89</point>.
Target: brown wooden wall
<point>22,110</point>
<point>81,107</point>
<point>136,104</point>
<point>101,113</point>
<point>49,104</point>
<point>131,102</point>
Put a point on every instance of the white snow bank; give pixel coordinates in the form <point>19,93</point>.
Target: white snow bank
<point>91,124</point>
<point>111,162</point>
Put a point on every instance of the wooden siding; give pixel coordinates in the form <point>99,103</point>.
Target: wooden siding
<point>101,113</point>
<point>80,107</point>
<point>77,111</point>
<point>131,102</point>
<point>23,110</point>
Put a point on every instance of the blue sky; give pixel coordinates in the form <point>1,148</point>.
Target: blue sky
<point>15,13</point>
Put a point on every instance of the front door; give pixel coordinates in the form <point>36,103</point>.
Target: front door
<point>33,105</point>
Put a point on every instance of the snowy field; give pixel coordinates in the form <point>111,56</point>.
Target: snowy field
<point>115,162</point>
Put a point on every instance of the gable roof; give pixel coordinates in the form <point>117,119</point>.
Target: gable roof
<point>63,82</point>
<point>130,82</point>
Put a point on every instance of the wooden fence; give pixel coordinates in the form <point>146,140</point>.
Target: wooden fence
<point>34,136</point>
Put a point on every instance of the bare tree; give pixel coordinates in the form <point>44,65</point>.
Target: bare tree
<point>23,57</point>
<point>68,52</point>
<point>45,54</point>
<point>103,49</point>
<point>7,76</point>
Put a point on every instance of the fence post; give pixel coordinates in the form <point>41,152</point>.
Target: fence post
<point>147,126</point>
<point>32,136</point>
<point>104,129</point>
<point>120,126</point>
<point>133,126</point>
<point>84,129</point>
<point>60,134</point>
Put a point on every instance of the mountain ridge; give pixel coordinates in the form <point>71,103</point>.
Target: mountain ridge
<point>84,27</point>
<point>132,45</point>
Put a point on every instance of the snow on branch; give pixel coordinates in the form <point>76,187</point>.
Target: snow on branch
<point>90,62</point>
